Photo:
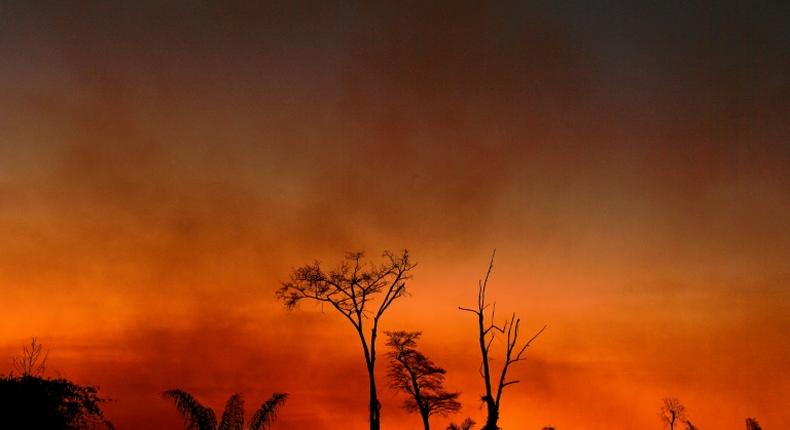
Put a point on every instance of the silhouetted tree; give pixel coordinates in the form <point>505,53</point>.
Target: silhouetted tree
<point>352,288</point>
<point>32,361</point>
<point>36,403</point>
<point>690,425</point>
<point>33,402</point>
<point>548,428</point>
<point>486,332</point>
<point>467,424</point>
<point>752,424</point>
<point>672,411</point>
<point>416,375</point>
<point>199,417</point>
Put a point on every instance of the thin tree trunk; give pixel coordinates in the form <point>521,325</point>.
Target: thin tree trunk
<point>491,406</point>
<point>493,416</point>
<point>425,423</point>
<point>375,406</point>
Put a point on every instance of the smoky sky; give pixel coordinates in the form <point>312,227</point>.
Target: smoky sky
<point>164,164</point>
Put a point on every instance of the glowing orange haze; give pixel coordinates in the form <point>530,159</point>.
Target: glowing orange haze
<point>157,182</point>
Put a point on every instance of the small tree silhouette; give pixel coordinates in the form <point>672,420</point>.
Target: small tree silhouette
<point>32,361</point>
<point>416,375</point>
<point>31,401</point>
<point>672,411</point>
<point>352,289</point>
<point>486,332</point>
<point>752,424</point>
<point>199,417</point>
<point>467,424</point>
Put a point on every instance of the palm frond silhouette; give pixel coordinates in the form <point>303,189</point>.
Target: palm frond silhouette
<point>267,413</point>
<point>233,417</point>
<point>196,416</point>
<point>199,417</point>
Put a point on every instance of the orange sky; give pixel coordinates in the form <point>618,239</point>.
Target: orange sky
<point>163,167</point>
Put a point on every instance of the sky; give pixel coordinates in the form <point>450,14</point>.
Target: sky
<point>163,167</point>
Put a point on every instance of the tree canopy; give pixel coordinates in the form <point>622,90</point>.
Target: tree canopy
<point>37,403</point>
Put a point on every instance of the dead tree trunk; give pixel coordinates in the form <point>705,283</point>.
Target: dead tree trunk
<point>486,333</point>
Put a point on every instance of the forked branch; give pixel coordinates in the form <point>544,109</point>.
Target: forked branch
<point>487,331</point>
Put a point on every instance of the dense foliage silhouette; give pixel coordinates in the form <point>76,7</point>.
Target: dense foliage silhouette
<point>36,403</point>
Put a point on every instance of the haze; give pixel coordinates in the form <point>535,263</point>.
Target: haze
<point>163,167</point>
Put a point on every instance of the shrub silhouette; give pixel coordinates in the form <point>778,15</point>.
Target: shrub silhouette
<point>467,424</point>
<point>37,403</point>
<point>31,401</point>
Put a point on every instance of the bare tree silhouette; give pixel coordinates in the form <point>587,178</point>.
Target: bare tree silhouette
<point>672,411</point>
<point>752,424</point>
<point>199,417</point>
<point>352,289</point>
<point>416,375</point>
<point>467,424</point>
<point>33,359</point>
<point>486,335</point>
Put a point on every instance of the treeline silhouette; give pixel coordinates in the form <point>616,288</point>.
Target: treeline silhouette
<point>361,291</point>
